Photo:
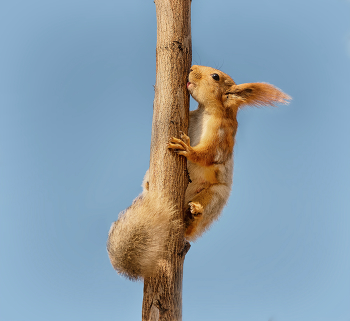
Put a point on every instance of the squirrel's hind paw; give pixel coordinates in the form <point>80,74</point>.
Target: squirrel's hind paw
<point>196,208</point>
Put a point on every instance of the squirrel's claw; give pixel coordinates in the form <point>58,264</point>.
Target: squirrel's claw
<point>185,138</point>
<point>175,146</point>
<point>178,141</point>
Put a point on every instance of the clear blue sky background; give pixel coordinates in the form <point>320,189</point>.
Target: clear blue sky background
<point>76,99</point>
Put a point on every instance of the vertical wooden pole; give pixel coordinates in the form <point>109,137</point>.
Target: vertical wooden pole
<point>163,291</point>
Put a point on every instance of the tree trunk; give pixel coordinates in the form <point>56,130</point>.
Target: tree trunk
<point>163,292</point>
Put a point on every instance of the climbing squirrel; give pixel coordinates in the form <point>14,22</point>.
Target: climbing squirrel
<point>136,241</point>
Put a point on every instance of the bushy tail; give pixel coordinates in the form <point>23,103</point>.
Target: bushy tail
<point>137,240</point>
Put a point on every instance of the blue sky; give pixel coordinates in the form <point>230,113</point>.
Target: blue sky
<point>76,93</point>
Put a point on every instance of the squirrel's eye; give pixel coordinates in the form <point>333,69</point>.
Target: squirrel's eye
<point>215,77</point>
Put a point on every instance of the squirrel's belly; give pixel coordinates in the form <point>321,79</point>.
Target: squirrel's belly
<point>202,177</point>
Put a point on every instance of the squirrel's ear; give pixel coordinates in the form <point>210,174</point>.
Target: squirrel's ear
<point>255,94</point>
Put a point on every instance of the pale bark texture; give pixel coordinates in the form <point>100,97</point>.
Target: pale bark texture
<point>168,175</point>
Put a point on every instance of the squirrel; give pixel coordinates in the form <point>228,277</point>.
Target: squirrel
<point>136,241</point>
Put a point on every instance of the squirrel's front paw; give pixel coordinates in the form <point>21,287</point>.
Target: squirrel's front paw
<point>196,208</point>
<point>181,146</point>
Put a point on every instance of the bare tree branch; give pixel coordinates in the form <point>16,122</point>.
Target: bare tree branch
<point>163,292</point>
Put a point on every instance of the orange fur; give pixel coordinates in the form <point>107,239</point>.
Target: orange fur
<point>137,240</point>
<point>209,147</point>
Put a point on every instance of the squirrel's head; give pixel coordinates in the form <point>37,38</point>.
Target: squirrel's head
<point>209,86</point>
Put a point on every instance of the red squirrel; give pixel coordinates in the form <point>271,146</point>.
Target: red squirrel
<point>136,240</point>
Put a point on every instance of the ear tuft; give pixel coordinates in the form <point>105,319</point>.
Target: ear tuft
<point>258,94</point>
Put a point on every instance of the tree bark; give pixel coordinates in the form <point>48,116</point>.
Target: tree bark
<point>162,299</point>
